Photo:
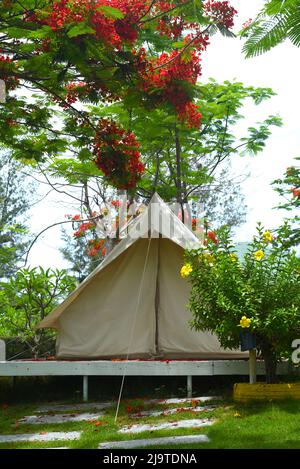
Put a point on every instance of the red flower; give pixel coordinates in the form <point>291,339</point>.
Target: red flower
<point>117,155</point>
<point>296,192</point>
<point>220,12</point>
<point>213,237</point>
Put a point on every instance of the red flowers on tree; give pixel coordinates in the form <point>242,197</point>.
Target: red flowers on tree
<point>169,79</point>
<point>221,12</point>
<point>115,67</point>
<point>213,237</point>
<point>117,155</point>
<point>6,67</point>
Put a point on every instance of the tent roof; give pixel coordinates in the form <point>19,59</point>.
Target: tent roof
<point>157,220</point>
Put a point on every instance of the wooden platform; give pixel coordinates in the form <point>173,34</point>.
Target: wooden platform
<point>85,369</point>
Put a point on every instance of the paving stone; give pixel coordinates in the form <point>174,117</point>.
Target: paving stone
<point>158,413</point>
<point>184,400</point>
<point>58,418</point>
<point>171,440</point>
<point>192,423</point>
<point>43,436</point>
<point>60,447</point>
<point>74,407</point>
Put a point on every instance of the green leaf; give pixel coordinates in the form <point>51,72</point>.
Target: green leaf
<point>111,12</point>
<point>178,44</point>
<point>80,29</point>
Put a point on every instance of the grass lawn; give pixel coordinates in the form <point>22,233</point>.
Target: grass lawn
<point>256,426</point>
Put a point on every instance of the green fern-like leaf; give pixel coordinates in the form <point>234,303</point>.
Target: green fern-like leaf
<point>266,35</point>
<point>294,26</point>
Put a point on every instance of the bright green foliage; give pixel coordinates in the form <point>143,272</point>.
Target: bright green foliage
<point>179,161</point>
<point>289,188</point>
<point>263,286</point>
<point>277,21</point>
<point>27,298</point>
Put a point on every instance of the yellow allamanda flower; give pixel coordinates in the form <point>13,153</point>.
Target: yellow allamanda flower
<point>259,255</point>
<point>209,258</point>
<point>233,257</point>
<point>267,237</point>
<point>186,270</point>
<point>245,322</point>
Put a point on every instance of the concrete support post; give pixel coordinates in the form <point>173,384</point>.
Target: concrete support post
<point>189,387</point>
<point>85,388</point>
<point>252,366</point>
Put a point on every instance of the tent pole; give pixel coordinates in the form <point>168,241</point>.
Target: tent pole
<point>189,387</point>
<point>85,389</point>
<point>157,297</point>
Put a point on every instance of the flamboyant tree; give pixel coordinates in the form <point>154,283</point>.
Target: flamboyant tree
<point>181,164</point>
<point>143,53</point>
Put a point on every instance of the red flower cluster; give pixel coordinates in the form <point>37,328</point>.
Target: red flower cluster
<point>117,155</point>
<point>83,228</point>
<point>108,29</point>
<point>116,203</point>
<point>213,237</point>
<point>168,76</point>
<point>95,247</point>
<point>11,82</point>
<point>220,12</point>
<point>296,192</point>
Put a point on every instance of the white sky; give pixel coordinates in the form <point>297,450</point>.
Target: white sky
<point>278,69</point>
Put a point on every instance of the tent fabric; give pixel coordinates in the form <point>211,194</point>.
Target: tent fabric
<point>176,339</point>
<point>135,303</point>
<point>102,320</point>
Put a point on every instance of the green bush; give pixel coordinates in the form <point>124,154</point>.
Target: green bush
<point>259,293</point>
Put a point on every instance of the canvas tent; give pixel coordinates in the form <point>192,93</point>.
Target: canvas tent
<point>135,302</point>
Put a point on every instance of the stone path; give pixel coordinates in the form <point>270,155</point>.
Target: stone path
<point>58,418</point>
<point>192,423</point>
<point>43,436</point>
<point>74,407</point>
<point>158,413</point>
<point>60,413</point>
<point>172,440</point>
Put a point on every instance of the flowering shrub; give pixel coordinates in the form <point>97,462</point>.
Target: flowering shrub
<point>260,292</point>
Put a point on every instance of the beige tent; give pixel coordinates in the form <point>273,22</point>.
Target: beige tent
<point>135,303</point>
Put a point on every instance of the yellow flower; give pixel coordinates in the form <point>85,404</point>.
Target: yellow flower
<point>259,255</point>
<point>186,270</point>
<point>237,414</point>
<point>245,322</point>
<point>267,237</point>
<point>209,258</point>
<point>233,257</point>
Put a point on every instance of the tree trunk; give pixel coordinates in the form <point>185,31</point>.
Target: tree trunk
<point>270,360</point>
